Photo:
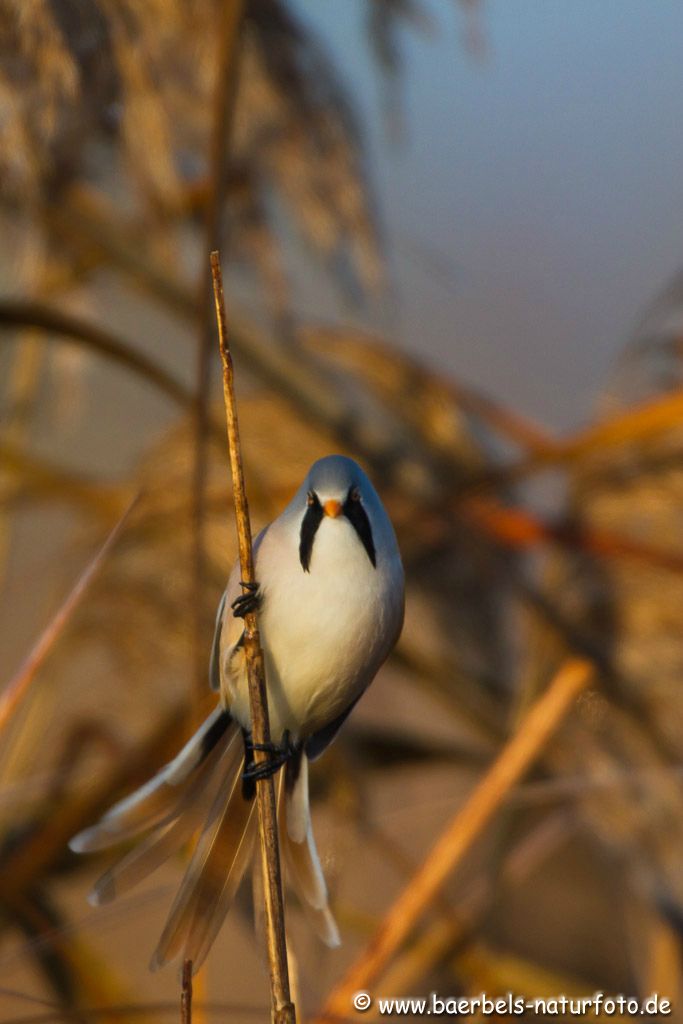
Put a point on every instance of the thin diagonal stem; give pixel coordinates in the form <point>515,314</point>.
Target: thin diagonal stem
<point>19,685</point>
<point>514,760</point>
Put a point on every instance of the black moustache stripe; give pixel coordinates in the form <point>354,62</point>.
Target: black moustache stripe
<point>309,528</point>
<point>358,517</point>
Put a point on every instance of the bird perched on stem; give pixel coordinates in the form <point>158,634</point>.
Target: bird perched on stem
<point>330,598</point>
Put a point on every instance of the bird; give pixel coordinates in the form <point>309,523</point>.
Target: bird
<point>330,603</point>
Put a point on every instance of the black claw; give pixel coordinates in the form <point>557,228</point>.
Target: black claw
<point>262,770</point>
<point>274,749</point>
<point>278,755</point>
<point>248,602</point>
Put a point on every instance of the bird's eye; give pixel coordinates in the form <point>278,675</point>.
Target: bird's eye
<point>311,498</point>
<point>355,494</point>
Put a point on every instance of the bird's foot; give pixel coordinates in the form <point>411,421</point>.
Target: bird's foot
<point>277,755</point>
<point>248,602</point>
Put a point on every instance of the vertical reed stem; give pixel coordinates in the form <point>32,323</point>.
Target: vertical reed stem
<point>186,994</point>
<point>282,1007</point>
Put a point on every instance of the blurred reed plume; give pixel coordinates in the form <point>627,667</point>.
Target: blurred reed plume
<point>106,116</point>
<point>123,92</point>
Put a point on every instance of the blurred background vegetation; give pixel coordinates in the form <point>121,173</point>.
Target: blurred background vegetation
<point>135,136</point>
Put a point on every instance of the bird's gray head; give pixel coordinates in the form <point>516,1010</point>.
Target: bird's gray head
<point>336,486</point>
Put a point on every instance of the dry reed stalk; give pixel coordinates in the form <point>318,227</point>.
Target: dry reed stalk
<point>186,994</point>
<point>517,527</point>
<point>30,314</point>
<point>458,837</point>
<point>19,685</point>
<point>282,1007</point>
<point>432,947</point>
<point>635,425</point>
<point>223,109</point>
<point>411,376</point>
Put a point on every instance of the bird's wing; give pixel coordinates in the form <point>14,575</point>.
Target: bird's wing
<point>226,623</point>
<point>214,661</point>
<point>319,741</point>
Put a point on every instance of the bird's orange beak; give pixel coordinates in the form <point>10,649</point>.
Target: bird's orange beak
<point>332,508</point>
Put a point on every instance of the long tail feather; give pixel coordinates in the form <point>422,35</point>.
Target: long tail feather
<point>202,786</point>
<point>168,837</point>
<point>308,876</point>
<point>210,912</point>
<point>324,925</point>
<point>309,883</point>
<point>298,807</point>
<point>303,862</point>
<point>212,877</point>
<point>154,803</point>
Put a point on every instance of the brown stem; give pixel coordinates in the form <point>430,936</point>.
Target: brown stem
<point>19,313</point>
<point>449,931</point>
<point>186,994</point>
<point>459,835</point>
<point>282,1007</point>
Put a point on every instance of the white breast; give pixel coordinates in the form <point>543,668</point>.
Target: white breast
<point>326,632</point>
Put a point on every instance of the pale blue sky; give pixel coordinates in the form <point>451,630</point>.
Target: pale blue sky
<point>548,176</point>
